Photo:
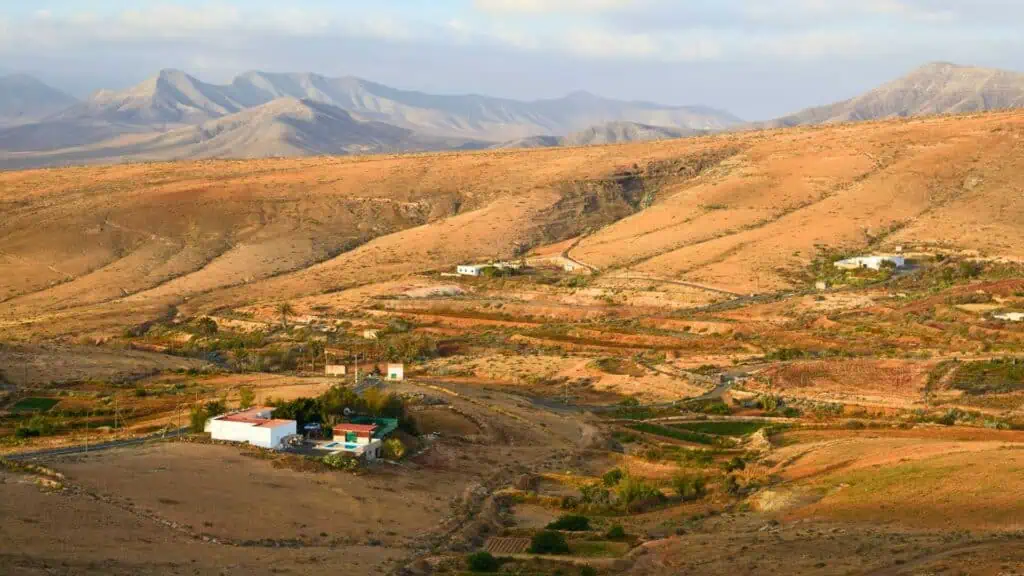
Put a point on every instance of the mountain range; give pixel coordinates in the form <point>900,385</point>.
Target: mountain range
<point>176,116</point>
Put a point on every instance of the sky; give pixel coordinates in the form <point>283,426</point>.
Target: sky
<point>756,58</point>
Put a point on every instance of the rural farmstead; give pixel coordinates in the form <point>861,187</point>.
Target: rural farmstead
<point>255,426</point>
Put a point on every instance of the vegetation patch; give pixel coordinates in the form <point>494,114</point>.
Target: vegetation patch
<point>35,405</point>
<point>722,428</point>
<point>998,376</point>
<point>675,433</point>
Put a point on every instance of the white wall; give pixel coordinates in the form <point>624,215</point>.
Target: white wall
<point>335,370</point>
<point>261,436</point>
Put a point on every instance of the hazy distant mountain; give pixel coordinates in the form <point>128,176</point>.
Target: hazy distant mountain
<point>610,133</point>
<point>23,99</point>
<point>938,88</point>
<point>170,98</point>
<point>174,98</point>
<point>282,127</point>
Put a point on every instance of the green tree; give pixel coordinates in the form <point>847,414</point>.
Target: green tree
<point>206,326</point>
<point>482,562</point>
<point>689,488</point>
<point>197,420</point>
<point>549,542</point>
<point>246,397</point>
<point>571,523</point>
<point>394,449</point>
<point>284,309</point>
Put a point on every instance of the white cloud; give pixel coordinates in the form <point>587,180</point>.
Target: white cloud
<point>554,6</point>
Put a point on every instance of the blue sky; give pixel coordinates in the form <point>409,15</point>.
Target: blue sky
<point>756,58</point>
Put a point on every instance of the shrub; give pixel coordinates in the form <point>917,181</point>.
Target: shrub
<point>612,477</point>
<point>735,464</point>
<point>340,461</point>
<point>140,392</point>
<point>394,449</point>
<point>689,488</point>
<point>549,542</point>
<point>588,571</point>
<point>616,532</point>
<point>246,397</point>
<point>206,326</point>
<point>732,486</point>
<point>634,492</point>
<point>197,420</point>
<point>594,494</point>
<point>482,562</point>
<point>571,523</point>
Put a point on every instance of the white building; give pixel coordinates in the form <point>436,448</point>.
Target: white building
<point>357,439</point>
<point>872,262</point>
<point>470,269</point>
<point>396,372</point>
<point>1010,316</point>
<point>371,334</point>
<point>335,370</point>
<point>255,426</point>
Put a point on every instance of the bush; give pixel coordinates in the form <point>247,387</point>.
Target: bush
<point>571,523</point>
<point>197,420</point>
<point>394,449</point>
<point>246,397</point>
<point>588,571</point>
<point>612,477</point>
<point>634,492</point>
<point>341,461</point>
<point>689,488</point>
<point>206,326</point>
<point>549,542</point>
<point>735,464</point>
<point>482,562</point>
<point>732,486</point>
<point>616,532</point>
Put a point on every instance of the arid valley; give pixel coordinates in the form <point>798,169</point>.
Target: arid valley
<point>655,368</point>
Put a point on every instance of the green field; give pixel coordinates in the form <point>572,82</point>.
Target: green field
<point>35,405</point>
<point>684,435</point>
<point>722,428</point>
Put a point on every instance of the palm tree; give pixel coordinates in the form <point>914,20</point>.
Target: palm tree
<point>285,309</point>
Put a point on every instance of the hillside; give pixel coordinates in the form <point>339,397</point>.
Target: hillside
<point>747,212</point>
<point>610,133</point>
<point>23,99</point>
<point>938,88</point>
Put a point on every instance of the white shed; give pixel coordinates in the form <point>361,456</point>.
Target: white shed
<point>255,426</point>
<point>335,370</point>
<point>1010,316</point>
<point>396,372</point>
<point>470,269</point>
<point>872,262</point>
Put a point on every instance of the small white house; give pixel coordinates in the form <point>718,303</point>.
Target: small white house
<point>872,262</point>
<point>357,439</point>
<point>371,334</point>
<point>396,372</point>
<point>335,370</point>
<point>255,426</point>
<point>1010,316</point>
<point>470,269</point>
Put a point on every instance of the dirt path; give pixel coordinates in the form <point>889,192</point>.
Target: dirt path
<point>912,566</point>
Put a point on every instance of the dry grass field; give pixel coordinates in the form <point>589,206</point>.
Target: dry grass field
<point>689,389</point>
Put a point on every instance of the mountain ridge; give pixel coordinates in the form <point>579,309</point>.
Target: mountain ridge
<point>935,88</point>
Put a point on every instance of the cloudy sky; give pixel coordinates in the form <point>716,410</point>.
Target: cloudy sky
<point>756,58</point>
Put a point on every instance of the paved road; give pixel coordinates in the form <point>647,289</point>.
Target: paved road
<point>71,450</point>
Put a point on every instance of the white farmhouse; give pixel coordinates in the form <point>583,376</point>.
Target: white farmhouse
<point>371,334</point>
<point>335,370</point>
<point>255,426</point>
<point>396,372</point>
<point>872,262</point>
<point>1010,316</point>
<point>470,269</point>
